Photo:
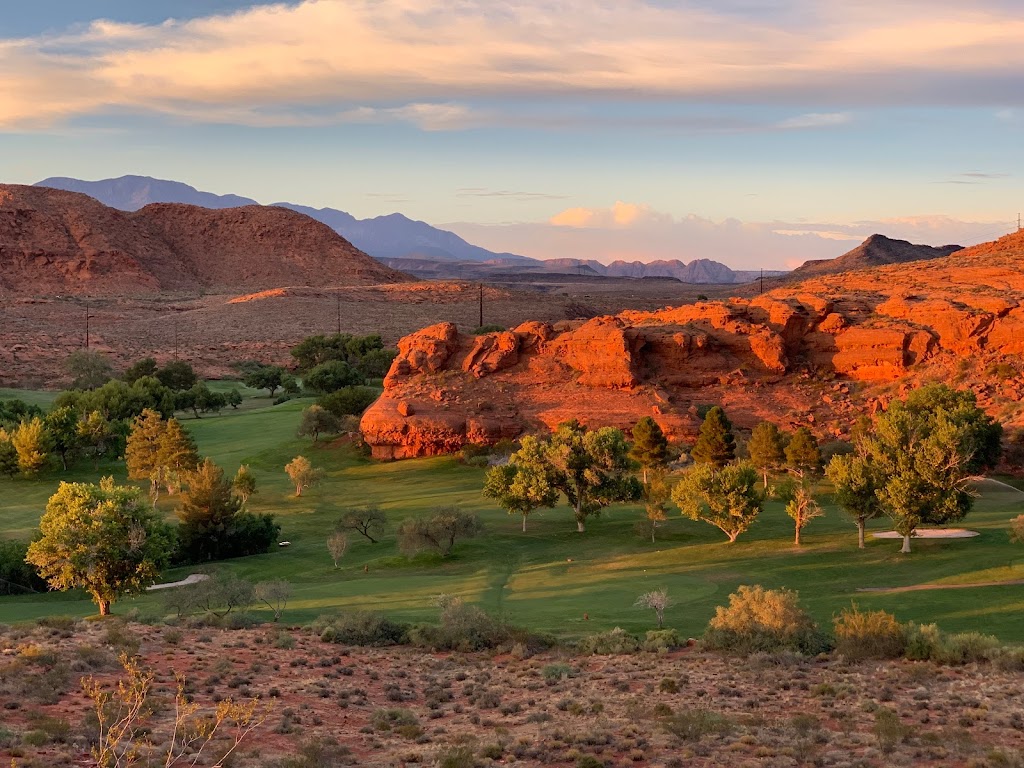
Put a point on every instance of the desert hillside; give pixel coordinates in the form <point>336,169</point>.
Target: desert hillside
<point>876,251</point>
<point>57,242</point>
<point>814,353</point>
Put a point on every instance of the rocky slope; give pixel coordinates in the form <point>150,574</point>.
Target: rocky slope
<point>814,353</point>
<point>57,242</point>
<point>876,251</point>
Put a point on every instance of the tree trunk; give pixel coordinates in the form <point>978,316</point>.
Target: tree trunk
<point>860,534</point>
<point>580,528</point>
<point>732,537</point>
<point>298,490</point>
<point>104,606</point>
<point>796,539</point>
<point>906,544</point>
<point>524,523</point>
<point>653,528</point>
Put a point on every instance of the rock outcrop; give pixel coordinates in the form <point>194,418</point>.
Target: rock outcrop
<point>814,354</point>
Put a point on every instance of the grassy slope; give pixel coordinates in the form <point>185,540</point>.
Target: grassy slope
<point>549,578</point>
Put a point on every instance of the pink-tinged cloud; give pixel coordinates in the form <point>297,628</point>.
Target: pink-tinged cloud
<point>424,61</point>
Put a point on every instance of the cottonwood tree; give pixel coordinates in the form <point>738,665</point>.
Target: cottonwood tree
<point>800,504</point>
<point>650,446</point>
<point>303,474</point>
<point>368,521</point>
<point>100,538</point>
<point>177,376</point>
<point>268,377</point>
<point>855,483</point>
<point>656,494</point>
<point>88,369</point>
<point>439,532</point>
<point>96,435</point>
<point>716,443</point>
<point>767,449</point>
<point>337,545</point>
<point>62,426</point>
<point>525,483</point>
<point>658,601</point>
<point>32,443</point>
<point>274,594</point>
<point>244,484</point>
<point>803,457</point>
<point>926,450</point>
<point>725,497</point>
<point>317,419</point>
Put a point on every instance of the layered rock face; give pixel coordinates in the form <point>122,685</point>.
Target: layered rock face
<point>813,354</point>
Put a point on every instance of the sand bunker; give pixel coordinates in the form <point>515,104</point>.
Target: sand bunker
<point>929,533</point>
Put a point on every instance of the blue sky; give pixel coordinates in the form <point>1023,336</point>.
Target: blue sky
<point>756,133</point>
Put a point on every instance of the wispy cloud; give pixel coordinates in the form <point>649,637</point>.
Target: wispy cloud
<point>507,194</point>
<point>429,62</point>
<point>973,177</point>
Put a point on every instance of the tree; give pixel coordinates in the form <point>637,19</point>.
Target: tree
<point>656,494</point>
<point>206,514</point>
<point>525,483</point>
<point>316,420</point>
<point>439,532</point>
<point>88,369</point>
<point>244,484</point>
<point>177,376</point>
<point>800,504</point>
<point>368,521</point>
<point>32,443</point>
<point>303,474</point>
<point>337,545</point>
<point>716,444</point>
<point>95,434</point>
<point>658,601</point>
<point>925,450</point>
<point>8,455</point>
<point>268,377</point>
<point>101,538</point>
<point>803,457</point>
<point>142,451</point>
<point>650,446</point>
<point>274,594</point>
<point>178,454</point>
<point>856,492</point>
<point>1017,530</point>
<point>347,401</point>
<point>145,367</point>
<point>62,426</point>
<point>233,398</point>
<point>332,376</point>
<point>767,448</point>
<point>724,497</point>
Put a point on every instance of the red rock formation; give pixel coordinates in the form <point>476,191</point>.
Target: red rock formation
<point>809,355</point>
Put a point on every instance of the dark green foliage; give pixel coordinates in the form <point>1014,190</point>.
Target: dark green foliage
<point>362,628</point>
<point>177,376</point>
<point>347,401</point>
<point>13,412</point>
<point>145,367</point>
<point>439,532</point>
<point>88,369</point>
<point>8,457</point>
<point>62,426</point>
<point>650,446</point>
<point>767,449</point>
<point>366,354</point>
<point>468,628</point>
<point>119,401</point>
<point>268,377</point>
<point>16,576</point>
<point>200,399</point>
<point>332,376</point>
<point>803,457</point>
<point>716,444</point>
<point>233,398</point>
<point>316,421</point>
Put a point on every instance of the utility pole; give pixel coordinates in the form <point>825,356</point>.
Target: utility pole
<point>87,325</point>
<point>175,338</point>
<point>762,279</point>
<point>481,325</point>
<point>338,297</point>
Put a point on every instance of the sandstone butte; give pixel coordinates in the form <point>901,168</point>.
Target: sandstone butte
<point>57,242</point>
<point>815,353</point>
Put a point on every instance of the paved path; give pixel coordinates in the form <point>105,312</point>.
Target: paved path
<point>195,578</point>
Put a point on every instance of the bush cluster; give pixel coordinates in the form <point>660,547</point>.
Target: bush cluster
<point>361,628</point>
<point>764,620</point>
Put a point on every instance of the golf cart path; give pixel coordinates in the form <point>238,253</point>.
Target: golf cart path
<point>195,578</point>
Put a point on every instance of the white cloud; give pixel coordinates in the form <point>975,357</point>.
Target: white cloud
<point>421,60</point>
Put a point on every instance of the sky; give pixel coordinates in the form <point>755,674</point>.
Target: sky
<point>755,132</point>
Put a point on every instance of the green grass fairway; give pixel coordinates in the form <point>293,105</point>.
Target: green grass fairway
<point>551,578</point>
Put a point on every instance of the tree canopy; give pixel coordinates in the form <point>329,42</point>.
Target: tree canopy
<point>716,444</point>
<point>725,497</point>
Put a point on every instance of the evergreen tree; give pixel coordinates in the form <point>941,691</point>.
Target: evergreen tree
<point>142,451</point>
<point>178,453</point>
<point>650,446</point>
<point>803,457</point>
<point>767,448</point>
<point>716,444</point>
<point>207,513</point>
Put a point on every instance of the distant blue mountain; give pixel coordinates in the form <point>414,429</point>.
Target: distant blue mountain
<point>385,237</point>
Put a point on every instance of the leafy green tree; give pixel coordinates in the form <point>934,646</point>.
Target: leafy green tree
<point>368,520</point>
<point>88,369</point>
<point>716,444</point>
<point>244,484</point>
<point>206,514</point>
<point>145,367</point>
<point>8,455</point>
<point>13,412</point>
<point>95,435</point>
<point>439,532</point>
<point>656,494</point>
<point>725,497</point>
<point>803,457</point>
<point>101,538</point>
<point>332,376</point>
<point>925,450</point>
<point>268,377</point>
<point>856,492</point>
<point>801,505</point>
<point>348,401</point>
<point>303,474</point>
<point>32,443</point>
<point>650,446</point>
<point>233,398</point>
<point>62,426</point>
<point>376,363</point>
<point>177,376</point>
<point>525,483</point>
<point>767,448</point>
<point>316,420</point>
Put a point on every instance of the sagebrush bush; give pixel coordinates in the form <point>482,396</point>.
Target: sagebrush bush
<point>469,628</point>
<point>361,628</point>
<point>614,641</point>
<point>926,642</point>
<point>759,619</point>
<point>661,640</point>
<point>869,634</point>
<point>695,724</point>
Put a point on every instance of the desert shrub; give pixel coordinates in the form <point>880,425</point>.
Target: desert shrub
<point>456,757</point>
<point>661,640</point>
<point>480,330</point>
<point>555,672</point>
<point>469,628</point>
<point>614,641</point>
<point>392,719</point>
<point>965,648</point>
<point>1008,659</point>
<point>869,634</point>
<point>318,752</point>
<point>922,641</point>
<point>362,628</point>
<point>888,729</point>
<point>695,724</point>
<point>759,619</point>
<point>439,532</point>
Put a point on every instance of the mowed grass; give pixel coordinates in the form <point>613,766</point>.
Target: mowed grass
<point>551,578</point>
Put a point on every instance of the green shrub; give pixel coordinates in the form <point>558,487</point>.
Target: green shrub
<point>391,719</point>
<point>480,330</point>
<point>362,628</point>
<point>469,628</point>
<point>347,401</point>
<point>888,729</point>
<point>555,672</point>
<point>869,634</point>
<point>965,648</point>
<point>922,641</point>
<point>614,641</point>
<point>1008,659</point>
<point>759,619</point>
<point>695,724</point>
<point>661,640</point>
<point>456,757</point>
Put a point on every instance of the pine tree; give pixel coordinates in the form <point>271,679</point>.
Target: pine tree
<point>650,446</point>
<point>716,444</point>
<point>178,454</point>
<point>208,509</point>
<point>767,449</point>
<point>142,451</point>
<point>802,454</point>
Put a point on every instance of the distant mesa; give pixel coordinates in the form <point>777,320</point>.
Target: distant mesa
<point>876,251</point>
<point>54,241</point>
